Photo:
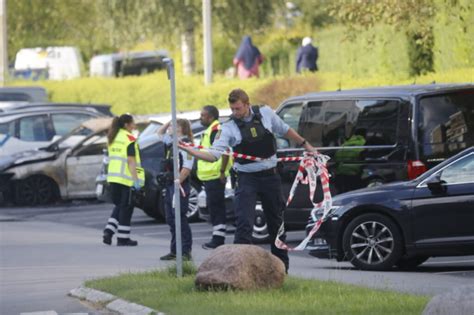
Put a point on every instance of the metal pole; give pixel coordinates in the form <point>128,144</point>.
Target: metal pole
<point>207,31</point>
<point>3,42</point>
<point>176,197</point>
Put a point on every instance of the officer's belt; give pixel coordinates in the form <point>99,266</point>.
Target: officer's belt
<point>268,172</point>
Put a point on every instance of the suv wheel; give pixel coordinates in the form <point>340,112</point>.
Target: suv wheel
<point>372,242</point>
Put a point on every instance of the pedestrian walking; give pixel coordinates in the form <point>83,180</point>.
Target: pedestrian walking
<point>184,134</point>
<point>247,60</point>
<point>214,176</point>
<point>124,175</point>
<point>307,56</point>
<point>251,131</point>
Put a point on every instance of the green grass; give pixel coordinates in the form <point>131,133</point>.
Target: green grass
<point>162,291</point>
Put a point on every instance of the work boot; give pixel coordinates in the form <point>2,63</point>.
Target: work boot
<point>215,242</point>
<point>169,256</point>
<point>107,237</point>
<point>126,242</point>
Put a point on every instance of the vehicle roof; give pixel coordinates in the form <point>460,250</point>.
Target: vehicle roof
<point>386,91</point>
<point>103,123</point>
<point>192,116</point>
<point>7,108</point>
<point>34,93</point>
<point>9,116</point>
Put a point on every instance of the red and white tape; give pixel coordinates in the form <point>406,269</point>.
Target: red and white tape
<point>312,165</point>
<point>240,155</point>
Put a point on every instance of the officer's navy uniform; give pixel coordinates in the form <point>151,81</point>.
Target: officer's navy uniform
<point>185,160</point>
<point>253,135</point>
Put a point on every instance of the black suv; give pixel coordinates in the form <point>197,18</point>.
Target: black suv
<point>397,133</point>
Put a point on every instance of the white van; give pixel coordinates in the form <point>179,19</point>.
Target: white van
<point>59,63</point>
<point>123,64</point>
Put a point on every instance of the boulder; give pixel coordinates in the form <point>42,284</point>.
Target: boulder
<point>459,301</point>
<point>242,267</point>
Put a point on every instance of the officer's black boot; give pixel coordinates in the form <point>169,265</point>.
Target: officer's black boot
<point>107,237</point>
<point>126,242</point>
<point>215,242</point>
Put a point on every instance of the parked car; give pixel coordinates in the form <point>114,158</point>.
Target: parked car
<point>23,94</point>
<point>403,223</point>
<point>32,125</point>
<point>65,169</point>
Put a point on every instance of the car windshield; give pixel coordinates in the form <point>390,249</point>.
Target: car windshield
<point>152,128</point>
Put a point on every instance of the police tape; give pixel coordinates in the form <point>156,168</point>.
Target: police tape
<point>236,155</point>
<point>312,165</point>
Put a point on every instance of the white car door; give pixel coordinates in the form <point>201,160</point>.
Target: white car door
<point>82,167</point>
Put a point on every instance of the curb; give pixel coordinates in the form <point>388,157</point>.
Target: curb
<point>111,302</point>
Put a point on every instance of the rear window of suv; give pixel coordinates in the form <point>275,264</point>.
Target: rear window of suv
<point>332,123</point>
<point>446,123</point>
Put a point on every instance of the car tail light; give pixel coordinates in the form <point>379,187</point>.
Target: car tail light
<point>415,169</point>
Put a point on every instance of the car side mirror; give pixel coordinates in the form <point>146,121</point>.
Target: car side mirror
<point>435,184</point>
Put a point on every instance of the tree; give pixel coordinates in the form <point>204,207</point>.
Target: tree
<point>414,17</point>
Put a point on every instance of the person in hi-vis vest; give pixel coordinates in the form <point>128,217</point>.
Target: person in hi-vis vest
<point>124,173</point>
<point>214,176</point>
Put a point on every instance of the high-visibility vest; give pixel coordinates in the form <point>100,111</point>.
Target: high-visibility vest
<point>348,162</point>
<point>118,171</point>
<point>211,170</point>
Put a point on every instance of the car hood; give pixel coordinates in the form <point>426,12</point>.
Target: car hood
<point>24,157</point>
<point>386,189</point>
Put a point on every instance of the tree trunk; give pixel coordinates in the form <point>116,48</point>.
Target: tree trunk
<point>188,49</point>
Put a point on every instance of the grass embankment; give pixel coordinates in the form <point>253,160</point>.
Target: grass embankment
<point>161,290</point>
<point>151,93</point>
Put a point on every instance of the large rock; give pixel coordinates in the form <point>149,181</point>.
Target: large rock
<point>459,301</point>
<point>240,267</point>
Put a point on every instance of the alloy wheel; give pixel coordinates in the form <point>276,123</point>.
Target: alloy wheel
<point>372,242</point>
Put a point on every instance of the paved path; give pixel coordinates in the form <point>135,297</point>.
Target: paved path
<point>46,253</point>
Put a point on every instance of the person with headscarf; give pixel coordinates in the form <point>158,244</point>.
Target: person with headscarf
<point>307,56</point>
<point>247,59</point>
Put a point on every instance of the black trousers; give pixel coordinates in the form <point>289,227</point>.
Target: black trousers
<point>215,197</point>
<point>121,216</point>
<point>268,188</point>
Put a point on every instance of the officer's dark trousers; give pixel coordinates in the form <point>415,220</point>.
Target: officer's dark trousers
<point>268,188</point>
<point>121,216</point>
<point>186,236</point>
<point>216,203</point>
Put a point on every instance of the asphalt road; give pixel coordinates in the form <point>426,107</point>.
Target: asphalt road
<point>437,275</point>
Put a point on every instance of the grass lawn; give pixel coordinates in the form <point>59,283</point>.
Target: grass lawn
<point>162,291</point>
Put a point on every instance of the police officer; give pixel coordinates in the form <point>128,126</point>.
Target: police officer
<point>124,174</point>
<point>213,175</point>
<point>250,131</point>
<point>186,161</point>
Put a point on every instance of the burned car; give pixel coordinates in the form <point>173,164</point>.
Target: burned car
<point>65,169</point>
